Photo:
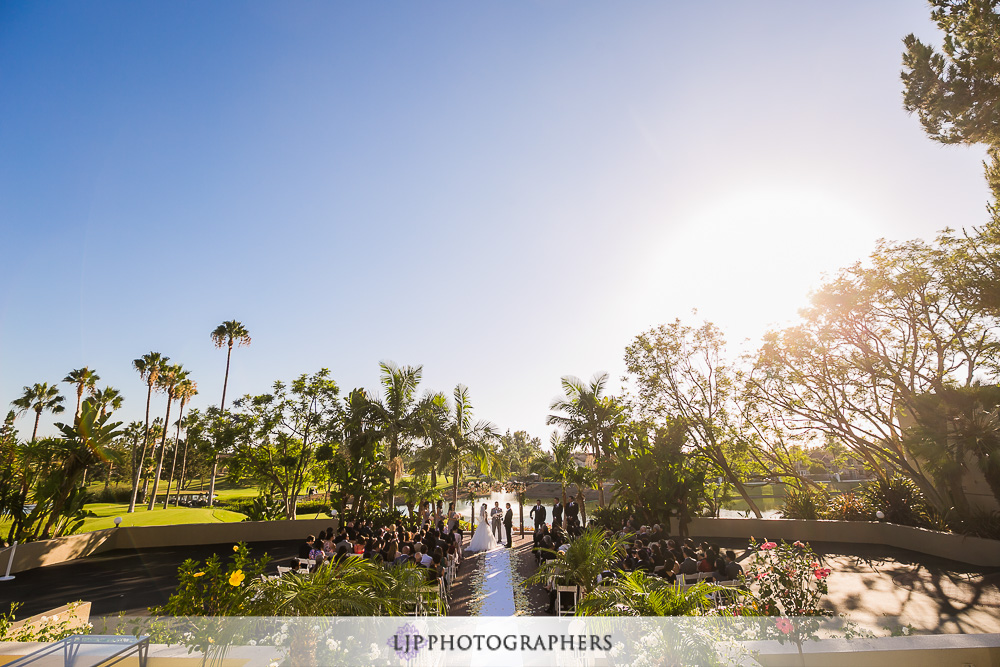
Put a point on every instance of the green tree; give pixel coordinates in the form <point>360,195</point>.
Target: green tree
<point>430,427</point>
<point>396,413</point>
<point>468,440</point>
<point>225,335</point>
<point>519,449</point>
<point>85,442</point>
<point>589,418</point>
<point>680,374</point>
<point>587,556</point>
<point>278,433</point>
<point>40,398</point>
<point>559,465</point>
<point>148,366</point>
<point>955,92</point>
<point>108,399</point>
<point>85,380</point>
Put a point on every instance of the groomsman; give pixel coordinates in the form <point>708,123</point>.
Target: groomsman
<point>538,513</point>
<point>557,512</point>
<point>496,515</point>
<point>508,523</point>
<point>572,510</point>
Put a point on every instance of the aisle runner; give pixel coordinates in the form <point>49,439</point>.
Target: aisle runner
<point>498,584</point>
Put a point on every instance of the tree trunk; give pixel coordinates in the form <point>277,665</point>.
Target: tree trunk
<point>180,480</point>
<point>393,453</point>
<point>38,418</point>
<point>163,450</point>
<point>137,473</point>
<point>107,482</point>
<point>454,484</point>
<point>177,444</point>
<point>731,475</point>
<point>434,477</point>
<point>600,482</point>
<point>222,409</point>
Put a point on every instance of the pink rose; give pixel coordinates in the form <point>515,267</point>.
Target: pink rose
<point>768,545</point>
<point>784,625</point>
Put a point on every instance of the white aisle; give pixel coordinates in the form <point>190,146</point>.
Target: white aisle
<point>498,584</point>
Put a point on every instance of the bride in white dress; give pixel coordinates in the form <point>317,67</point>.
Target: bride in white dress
<point>482,539</point>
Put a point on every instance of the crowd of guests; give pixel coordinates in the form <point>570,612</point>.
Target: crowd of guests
<point>420,543</point>
<point>648,549</point>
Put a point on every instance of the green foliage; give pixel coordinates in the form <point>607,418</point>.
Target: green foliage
<point>611,517</point>
<point>639,594</point>
<point>110,494</point>
<point>261,508</point>
<point>900,500</point>
<point>45,629</point>
<point>313,507</point>
<point>593,552</point>
<point>848,507</point>
<point>788,578</point>
<point>802,504</point>
<point>215,587</point>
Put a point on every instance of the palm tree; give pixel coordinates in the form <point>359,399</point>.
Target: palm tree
<point>107,399</point>
<point>87,441</point>
<point>226,335</point>
<point>561,466</point>
<point>169,377</point>
<point>39,397</point>
<point>637,593</point>
<point>84,379</point>
<point>583,478</point>
<point>149,366</point>
<point>193,429</point>
<point>590,554</point>
<point>430,425</point>
<point>589,419</point>
<point>468,439</point>
<point>185,389</point>
<point>395,413</point>
<point>416,490</point>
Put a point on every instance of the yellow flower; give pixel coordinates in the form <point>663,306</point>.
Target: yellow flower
<point>236,578</point>
<point>199,574</point>
<point>236,547</point>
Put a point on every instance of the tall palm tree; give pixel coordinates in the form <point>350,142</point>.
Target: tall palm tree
<point>396,413</point>
<point>589,418</point>
<point>85,380</point>
<point>468,439</point>
<point>149,366</point>
<point>39,397</point>
<point>193,429</point>
<point>169,377</point>
<point>185,390</point>
<point>225,335</point>
<point>561,466</point>
<point>430,425</point>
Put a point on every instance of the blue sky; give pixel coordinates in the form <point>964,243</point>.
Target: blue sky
<point>503,192</point>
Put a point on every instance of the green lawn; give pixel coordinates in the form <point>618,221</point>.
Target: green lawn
<point>106,513</point>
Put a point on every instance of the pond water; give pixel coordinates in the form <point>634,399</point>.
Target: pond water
<point>465,506</point>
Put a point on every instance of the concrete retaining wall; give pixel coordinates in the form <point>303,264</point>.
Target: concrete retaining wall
<point>971,550</point>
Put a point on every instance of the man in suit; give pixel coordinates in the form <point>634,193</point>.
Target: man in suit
<point>508,523</point>
<point>557,512</point>
<point>496,515</point>
<point>572,510</point>
<point>538,513</point>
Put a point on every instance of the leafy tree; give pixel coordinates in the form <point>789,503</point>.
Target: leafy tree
<point>85,442</point>
<point>227,334</point>
<point>559,465</point>
<point>148,366</point>
<point>396,413</point>
<point>277,433</point>
<point>587,556</point>
<point>430,427</point>
<point>357,466</point>
<point>955,92</point>
<point>519,449</point>
<point>588,419</point>
<point>85,380</point>
<point>681,375</point>
<point>877,338</point>
<point>40,398</point>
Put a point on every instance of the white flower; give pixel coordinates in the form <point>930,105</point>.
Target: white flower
<point>374,652</point>
<point>252,642</point>
<point>906,629</point>
<point>43,619</point>
<point>332,644</point>
<point>273,664</point>
<point>284,627</point>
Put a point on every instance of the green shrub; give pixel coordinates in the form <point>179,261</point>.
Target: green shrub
<point>802,504</point>
<point>982,523</point>
<point>848,507</point>
<point>111,494</point>
<point>313,507</point>
<point>611,517</point>
<point>900,500</point>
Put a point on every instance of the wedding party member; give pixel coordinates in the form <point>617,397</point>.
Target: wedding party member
<point>538,514</point>
<point>508,523</point>
<point>557,512</point>
<point>482,539</point>
<point>572,510</point>
<point>496,518</point>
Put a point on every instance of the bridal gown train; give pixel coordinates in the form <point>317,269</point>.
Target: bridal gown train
<point>483,539</point>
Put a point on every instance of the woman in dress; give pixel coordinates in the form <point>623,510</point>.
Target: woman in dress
<point>483,539</point>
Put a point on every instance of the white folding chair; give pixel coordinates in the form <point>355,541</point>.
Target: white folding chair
<point>574,591</point>
<point>283,570</point>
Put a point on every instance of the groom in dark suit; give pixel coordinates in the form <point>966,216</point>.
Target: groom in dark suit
<point>508,523</point>
<point>538,514</point>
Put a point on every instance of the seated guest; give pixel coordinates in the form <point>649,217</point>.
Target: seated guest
<point>670,569</point>
<point>656,554</point>
<point>359,546</point>
<point>307,546</point>
<point>643,563</point>
<point>690,564</point>
<point>425,558</point>
<point>707,563</point>
<point>403,556</point>
<point>733,569</point>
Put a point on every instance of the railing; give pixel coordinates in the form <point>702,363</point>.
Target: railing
<point>10,561</point>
